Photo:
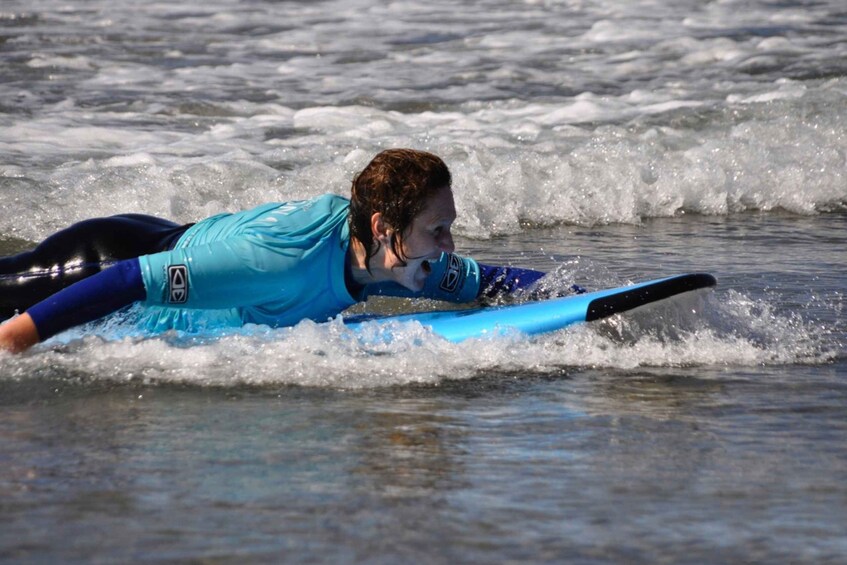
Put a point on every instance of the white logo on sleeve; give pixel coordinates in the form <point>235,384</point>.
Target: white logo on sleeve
<point>177,284</point>
<point>453,276</point>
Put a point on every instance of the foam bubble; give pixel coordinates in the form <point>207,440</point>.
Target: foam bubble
<point>66,62</point>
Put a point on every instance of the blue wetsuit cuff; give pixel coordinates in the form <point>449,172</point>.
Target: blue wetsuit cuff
<point>89,299</point>
<point>505,280</point>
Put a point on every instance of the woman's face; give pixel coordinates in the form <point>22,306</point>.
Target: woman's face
<point>426,239</point>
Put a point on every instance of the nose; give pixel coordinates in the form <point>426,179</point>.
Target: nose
<point>445,242</point>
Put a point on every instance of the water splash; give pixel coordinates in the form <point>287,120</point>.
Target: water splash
<point>698,329</point>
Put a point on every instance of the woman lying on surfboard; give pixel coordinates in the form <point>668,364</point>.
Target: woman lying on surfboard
<point>275,264</point>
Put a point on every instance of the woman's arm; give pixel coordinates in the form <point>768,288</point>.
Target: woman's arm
<point>461,279</point>
<point>495,281</point>
<point>88,300</point>
<point>221,274</point>
<point>18,334</point>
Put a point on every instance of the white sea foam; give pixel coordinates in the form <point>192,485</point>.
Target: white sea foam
<point>548,113</point>
<point>693,331</point>
<point>538,163</point>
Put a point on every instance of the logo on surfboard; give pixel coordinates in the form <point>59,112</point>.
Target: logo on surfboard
<point>177,284</point>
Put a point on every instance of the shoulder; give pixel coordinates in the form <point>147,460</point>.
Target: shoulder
<point>333,203</point>
<point>323,205</point>
<point>296,223</point>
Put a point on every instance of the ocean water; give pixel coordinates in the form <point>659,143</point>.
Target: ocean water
<point>605,142</point>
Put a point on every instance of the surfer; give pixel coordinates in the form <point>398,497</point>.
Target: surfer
<point>275,264</point>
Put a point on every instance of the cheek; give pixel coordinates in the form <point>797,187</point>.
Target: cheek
<point>413,247</point>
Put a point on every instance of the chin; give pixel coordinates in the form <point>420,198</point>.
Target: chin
<point>415,286</point>
<point>414,283</point>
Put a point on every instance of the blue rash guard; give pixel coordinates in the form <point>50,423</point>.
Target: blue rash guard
<point>276,264</point>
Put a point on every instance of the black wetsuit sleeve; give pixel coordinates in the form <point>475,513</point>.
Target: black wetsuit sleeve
<point>89,299</point>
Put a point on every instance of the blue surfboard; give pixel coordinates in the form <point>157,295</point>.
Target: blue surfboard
<point>543,316</point>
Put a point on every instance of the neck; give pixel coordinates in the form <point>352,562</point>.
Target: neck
<point>356,257</point>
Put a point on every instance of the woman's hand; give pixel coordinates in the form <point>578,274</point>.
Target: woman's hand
<point>18,334</point>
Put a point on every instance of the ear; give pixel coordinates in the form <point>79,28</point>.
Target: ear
<point>380,229</point>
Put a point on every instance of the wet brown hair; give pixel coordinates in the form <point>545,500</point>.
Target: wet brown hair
<point>398,183</point>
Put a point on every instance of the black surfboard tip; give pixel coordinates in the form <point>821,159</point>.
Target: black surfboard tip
<point>600,308</point>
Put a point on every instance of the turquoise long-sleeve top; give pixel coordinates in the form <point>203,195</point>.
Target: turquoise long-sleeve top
<point>275,264</point>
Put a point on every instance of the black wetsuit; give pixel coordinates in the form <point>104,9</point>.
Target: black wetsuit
<point>77,252</point>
